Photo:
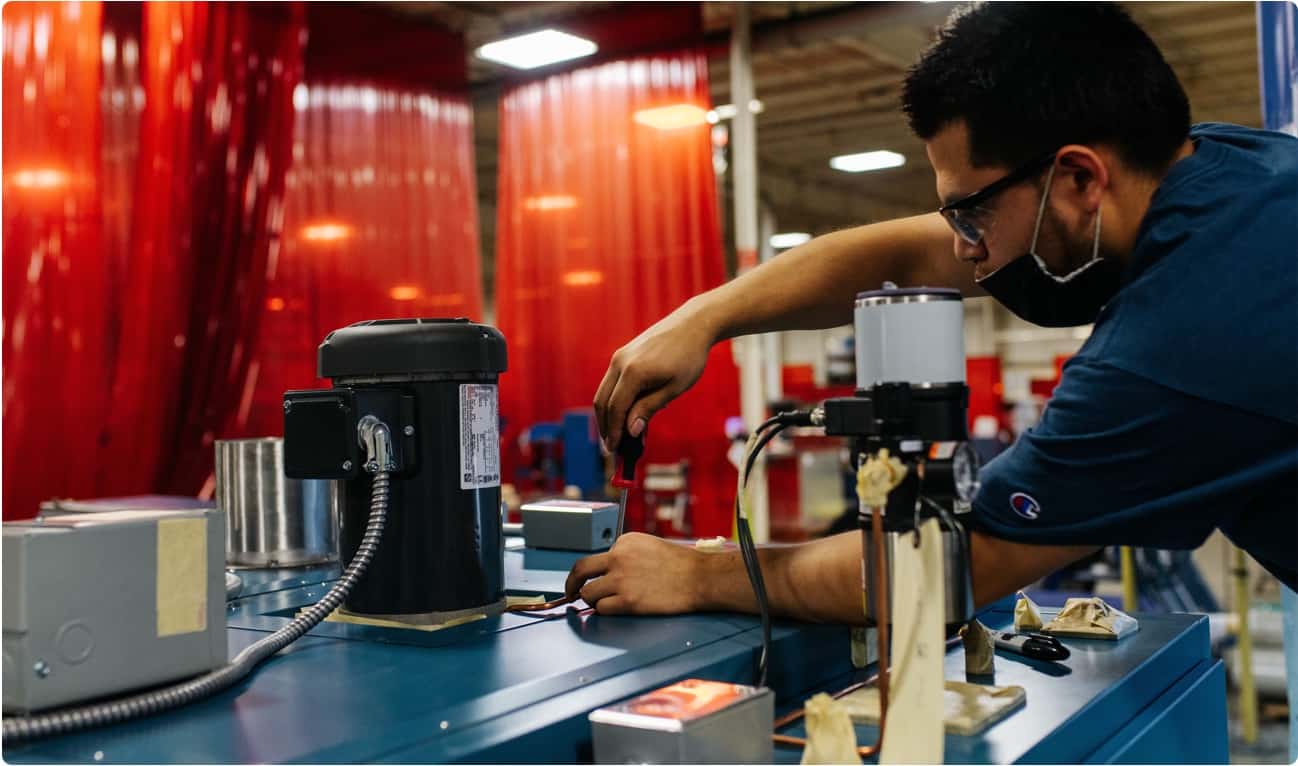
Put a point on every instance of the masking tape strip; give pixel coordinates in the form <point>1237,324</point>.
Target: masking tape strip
<point>182,576</point>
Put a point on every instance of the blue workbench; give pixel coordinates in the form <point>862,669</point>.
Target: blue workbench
<point>517,689</point>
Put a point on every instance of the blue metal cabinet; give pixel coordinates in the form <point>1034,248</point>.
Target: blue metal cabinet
<point>517,689</point>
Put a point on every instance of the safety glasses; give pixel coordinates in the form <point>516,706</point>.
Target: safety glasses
<point>962,214</point>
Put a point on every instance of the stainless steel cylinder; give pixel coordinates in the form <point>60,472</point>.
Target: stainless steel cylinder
<point>271,520</point>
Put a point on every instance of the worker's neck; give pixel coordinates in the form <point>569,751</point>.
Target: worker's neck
<point>1132,198</point>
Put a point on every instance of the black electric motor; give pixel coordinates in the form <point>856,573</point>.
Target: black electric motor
<point>433,382</point>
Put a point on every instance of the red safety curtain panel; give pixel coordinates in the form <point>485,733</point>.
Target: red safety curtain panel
<point>216,141</point>
<point>381,221</point>
<point>55,283</point>
<point>145,149</point>
<point>607,221</point>
<point>381,213</point>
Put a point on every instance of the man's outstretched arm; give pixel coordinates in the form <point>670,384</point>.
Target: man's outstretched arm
<point>811,286</point>
<point>818,581</point>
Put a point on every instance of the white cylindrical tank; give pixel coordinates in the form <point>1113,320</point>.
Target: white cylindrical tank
<point>909,335</point>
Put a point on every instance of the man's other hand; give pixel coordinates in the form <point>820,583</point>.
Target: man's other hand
<point>640,574</point>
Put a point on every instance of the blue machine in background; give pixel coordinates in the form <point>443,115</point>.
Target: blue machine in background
<point>567,454</point>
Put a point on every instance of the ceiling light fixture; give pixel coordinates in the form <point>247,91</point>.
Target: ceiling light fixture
<point>536,49</point>
<point>860,163</point>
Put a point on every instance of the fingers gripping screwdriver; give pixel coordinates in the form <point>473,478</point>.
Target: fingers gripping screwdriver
<point>629,450</point>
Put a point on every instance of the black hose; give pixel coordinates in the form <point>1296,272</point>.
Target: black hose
<point>19,729</point>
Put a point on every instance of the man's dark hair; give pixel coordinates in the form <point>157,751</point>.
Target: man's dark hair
<point>1030,77</point>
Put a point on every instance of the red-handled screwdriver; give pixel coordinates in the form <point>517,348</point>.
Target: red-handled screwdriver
<point>629,451</point>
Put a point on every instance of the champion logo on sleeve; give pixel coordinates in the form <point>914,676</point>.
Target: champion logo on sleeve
<point>1025,505</point>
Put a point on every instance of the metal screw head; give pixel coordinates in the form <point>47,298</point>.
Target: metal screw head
<point>444,725</point>
<point>689,643</point>
<point>288,406</point>
<point>99,755</point>
<point>41,668</point>
<point>347,465</point>
<point>582,679</point>
<point>408,430</point>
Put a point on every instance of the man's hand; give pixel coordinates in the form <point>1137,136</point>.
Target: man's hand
<point>647,373</point>
<point>640,574</point>
<point>818,581</point>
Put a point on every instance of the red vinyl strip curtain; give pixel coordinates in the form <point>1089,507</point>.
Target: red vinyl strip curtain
<point>215,145</point>
<point>607,221</point>
<point>145,149</point>
<point>381,221</point>
<point>55,295</point>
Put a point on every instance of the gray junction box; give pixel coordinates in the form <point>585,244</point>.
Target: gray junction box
<point>105,603</point>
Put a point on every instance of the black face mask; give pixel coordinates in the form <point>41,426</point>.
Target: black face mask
<point>1026,287</point>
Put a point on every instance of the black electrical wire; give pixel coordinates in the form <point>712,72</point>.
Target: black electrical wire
<point>747,548</point>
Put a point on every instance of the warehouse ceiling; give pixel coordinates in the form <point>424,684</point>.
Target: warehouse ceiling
<point>829,75</point>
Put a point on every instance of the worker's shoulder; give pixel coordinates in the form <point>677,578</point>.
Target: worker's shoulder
<point>1242,134</point>
<point>1211,290</point>
<point>1233,166</point>
<point>1229,204</point>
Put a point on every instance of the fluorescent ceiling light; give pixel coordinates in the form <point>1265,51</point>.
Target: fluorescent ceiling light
<point>789,239</point>
<point>536,49</point>
<point>672,117</point>
<point>859,163</point>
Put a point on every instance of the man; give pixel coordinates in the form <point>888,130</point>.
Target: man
<point>1074,190</point>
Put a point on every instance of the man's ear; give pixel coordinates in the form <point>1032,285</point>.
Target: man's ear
<point>1087,172</point>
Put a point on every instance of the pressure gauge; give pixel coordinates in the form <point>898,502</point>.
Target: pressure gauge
<point>965,465</point>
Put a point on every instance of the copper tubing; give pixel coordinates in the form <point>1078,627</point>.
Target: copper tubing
<point>541,607</point>
<point>880,602</point>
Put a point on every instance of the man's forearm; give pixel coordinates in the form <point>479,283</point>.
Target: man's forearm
<point>814,286</point>
<point>820,581</point>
